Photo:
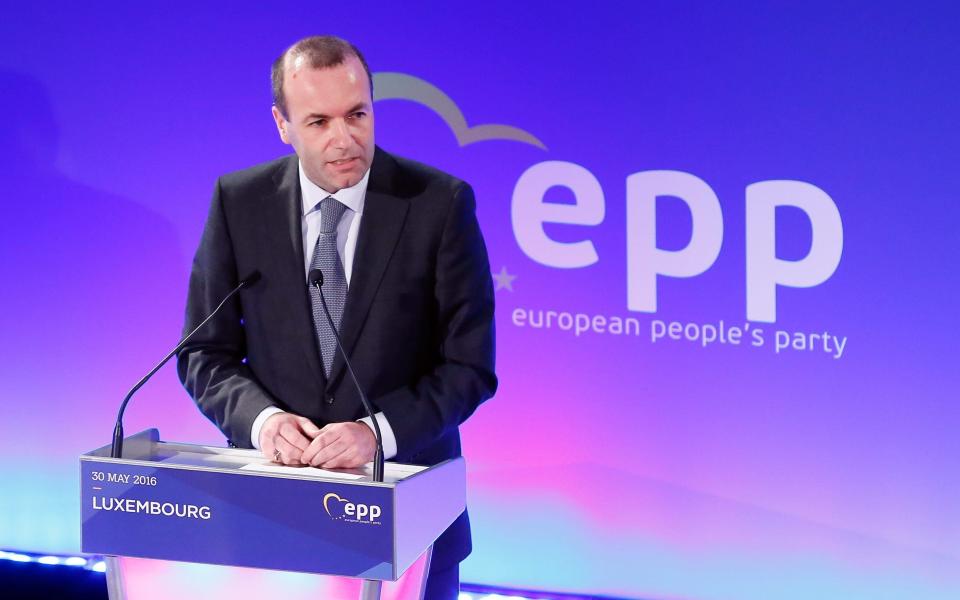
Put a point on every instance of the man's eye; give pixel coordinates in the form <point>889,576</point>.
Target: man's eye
<point>319,122</point>
<point>359,115</point>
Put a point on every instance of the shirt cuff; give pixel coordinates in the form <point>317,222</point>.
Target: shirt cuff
<point>258,424</point>
<point>386,432</point>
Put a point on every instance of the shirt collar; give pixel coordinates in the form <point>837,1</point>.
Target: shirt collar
<point>312,194</point>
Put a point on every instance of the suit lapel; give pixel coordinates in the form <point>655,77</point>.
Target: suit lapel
<point>380,228</point>
<point>300,309</point>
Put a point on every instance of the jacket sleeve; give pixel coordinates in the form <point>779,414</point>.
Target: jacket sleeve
<point>211,366</point>
<point>464,377</point>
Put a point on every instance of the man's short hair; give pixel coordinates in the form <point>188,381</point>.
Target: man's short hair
<point>320,52</point>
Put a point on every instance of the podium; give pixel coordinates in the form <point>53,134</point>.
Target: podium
<point>231,507</point>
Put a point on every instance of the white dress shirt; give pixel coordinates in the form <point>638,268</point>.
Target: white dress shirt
<point>347,230</point>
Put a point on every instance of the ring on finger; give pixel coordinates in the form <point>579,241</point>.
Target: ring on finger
<point>276,456</point>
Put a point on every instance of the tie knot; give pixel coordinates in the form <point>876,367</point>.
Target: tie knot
<point>331,210</point>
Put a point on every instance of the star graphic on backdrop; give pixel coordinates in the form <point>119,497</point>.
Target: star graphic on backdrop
<point>503,279</point>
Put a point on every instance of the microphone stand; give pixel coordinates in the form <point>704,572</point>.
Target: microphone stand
<point>316,279</point>
<point>116,448</point>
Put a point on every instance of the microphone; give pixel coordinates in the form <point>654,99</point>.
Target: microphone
<point>315,277</point>
<point>116,449</point>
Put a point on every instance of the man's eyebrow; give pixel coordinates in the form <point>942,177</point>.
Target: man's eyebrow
<point>316,116</point>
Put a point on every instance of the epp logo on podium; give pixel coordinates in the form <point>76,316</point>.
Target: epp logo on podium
<point>342,509</point>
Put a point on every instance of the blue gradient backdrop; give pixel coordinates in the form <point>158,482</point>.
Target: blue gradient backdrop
<point>606,464</point>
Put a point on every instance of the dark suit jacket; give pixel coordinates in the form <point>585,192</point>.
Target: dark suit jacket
<point>418,321</point>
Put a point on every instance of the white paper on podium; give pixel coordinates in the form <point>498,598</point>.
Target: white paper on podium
<point>308,471</point>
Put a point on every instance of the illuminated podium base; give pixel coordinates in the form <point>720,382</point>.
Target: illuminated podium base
<point>149,579</point>
<point>200,521</point>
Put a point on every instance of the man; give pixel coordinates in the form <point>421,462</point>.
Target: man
<point>406,280</point>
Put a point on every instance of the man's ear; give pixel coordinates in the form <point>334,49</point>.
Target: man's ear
<point>282,124</point>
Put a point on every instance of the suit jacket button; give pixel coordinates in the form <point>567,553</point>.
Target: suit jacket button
<point>329,399</point>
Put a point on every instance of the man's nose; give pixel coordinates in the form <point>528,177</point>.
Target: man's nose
<point>340,133</point>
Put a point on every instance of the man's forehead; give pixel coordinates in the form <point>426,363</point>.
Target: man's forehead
<point>350,67</point>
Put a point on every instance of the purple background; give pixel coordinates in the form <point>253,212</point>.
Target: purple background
<point>605,464</point>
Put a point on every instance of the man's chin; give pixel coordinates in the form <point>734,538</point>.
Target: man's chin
<point>345,180</point>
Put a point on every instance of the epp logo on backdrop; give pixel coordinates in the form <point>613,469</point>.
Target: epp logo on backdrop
<point>341,509</point>
<point>646,261</point>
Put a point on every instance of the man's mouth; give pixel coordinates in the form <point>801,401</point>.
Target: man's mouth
<point>342,161</point>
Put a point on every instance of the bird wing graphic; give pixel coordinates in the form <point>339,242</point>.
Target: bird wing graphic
<point>400,86</point>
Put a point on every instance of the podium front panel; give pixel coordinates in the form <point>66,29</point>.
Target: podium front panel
<point>237,518</point>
